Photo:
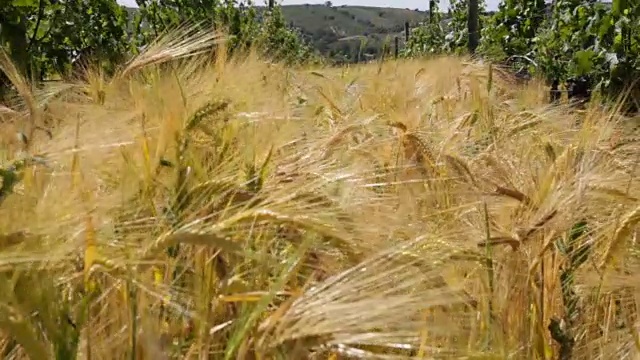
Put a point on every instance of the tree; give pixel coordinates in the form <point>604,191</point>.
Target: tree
<point>281,43</point>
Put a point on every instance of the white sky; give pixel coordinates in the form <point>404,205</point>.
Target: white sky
<point>411,4</point>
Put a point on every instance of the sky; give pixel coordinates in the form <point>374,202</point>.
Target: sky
<point>410,4</point>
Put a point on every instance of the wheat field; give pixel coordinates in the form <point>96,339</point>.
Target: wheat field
<point>195,206</point>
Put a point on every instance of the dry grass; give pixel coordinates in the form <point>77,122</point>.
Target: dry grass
<point>236,209</point>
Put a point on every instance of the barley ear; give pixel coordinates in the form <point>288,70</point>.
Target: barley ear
<point>620,236</point>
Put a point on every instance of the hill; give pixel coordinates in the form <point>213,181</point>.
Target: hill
<point>340,32</point>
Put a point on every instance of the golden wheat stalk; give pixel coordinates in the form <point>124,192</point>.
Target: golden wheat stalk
<point>342,309</point>
<point>184,41</point>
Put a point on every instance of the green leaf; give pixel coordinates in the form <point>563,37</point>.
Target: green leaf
<point>617,7</point>
<point>583,61</point>
<point>617,41</point>
<point>23,3</point>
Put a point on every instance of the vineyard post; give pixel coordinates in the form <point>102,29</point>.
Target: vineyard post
<point>554,93</point>
<point>271,4</point>
<point>397,42</point>
<point>626,33</point>
<point>406,32</point>
<point>431,7</point>
<point>472,25</point>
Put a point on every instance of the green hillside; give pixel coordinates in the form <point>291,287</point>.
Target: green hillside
<point>348,32</point>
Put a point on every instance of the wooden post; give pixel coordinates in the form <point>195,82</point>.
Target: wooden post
<point>431,6</point>
<point>397,43</point>
<point>271,4</point>
<point>472,25</point>
<point>554,93</point>
<point>406,31</point>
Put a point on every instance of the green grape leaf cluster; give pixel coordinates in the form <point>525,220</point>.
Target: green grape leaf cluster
<point>428,38</point>
<point>566,40</point>
<point>46,37</point>
<point>457,36</point>
<point>512,30</point>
